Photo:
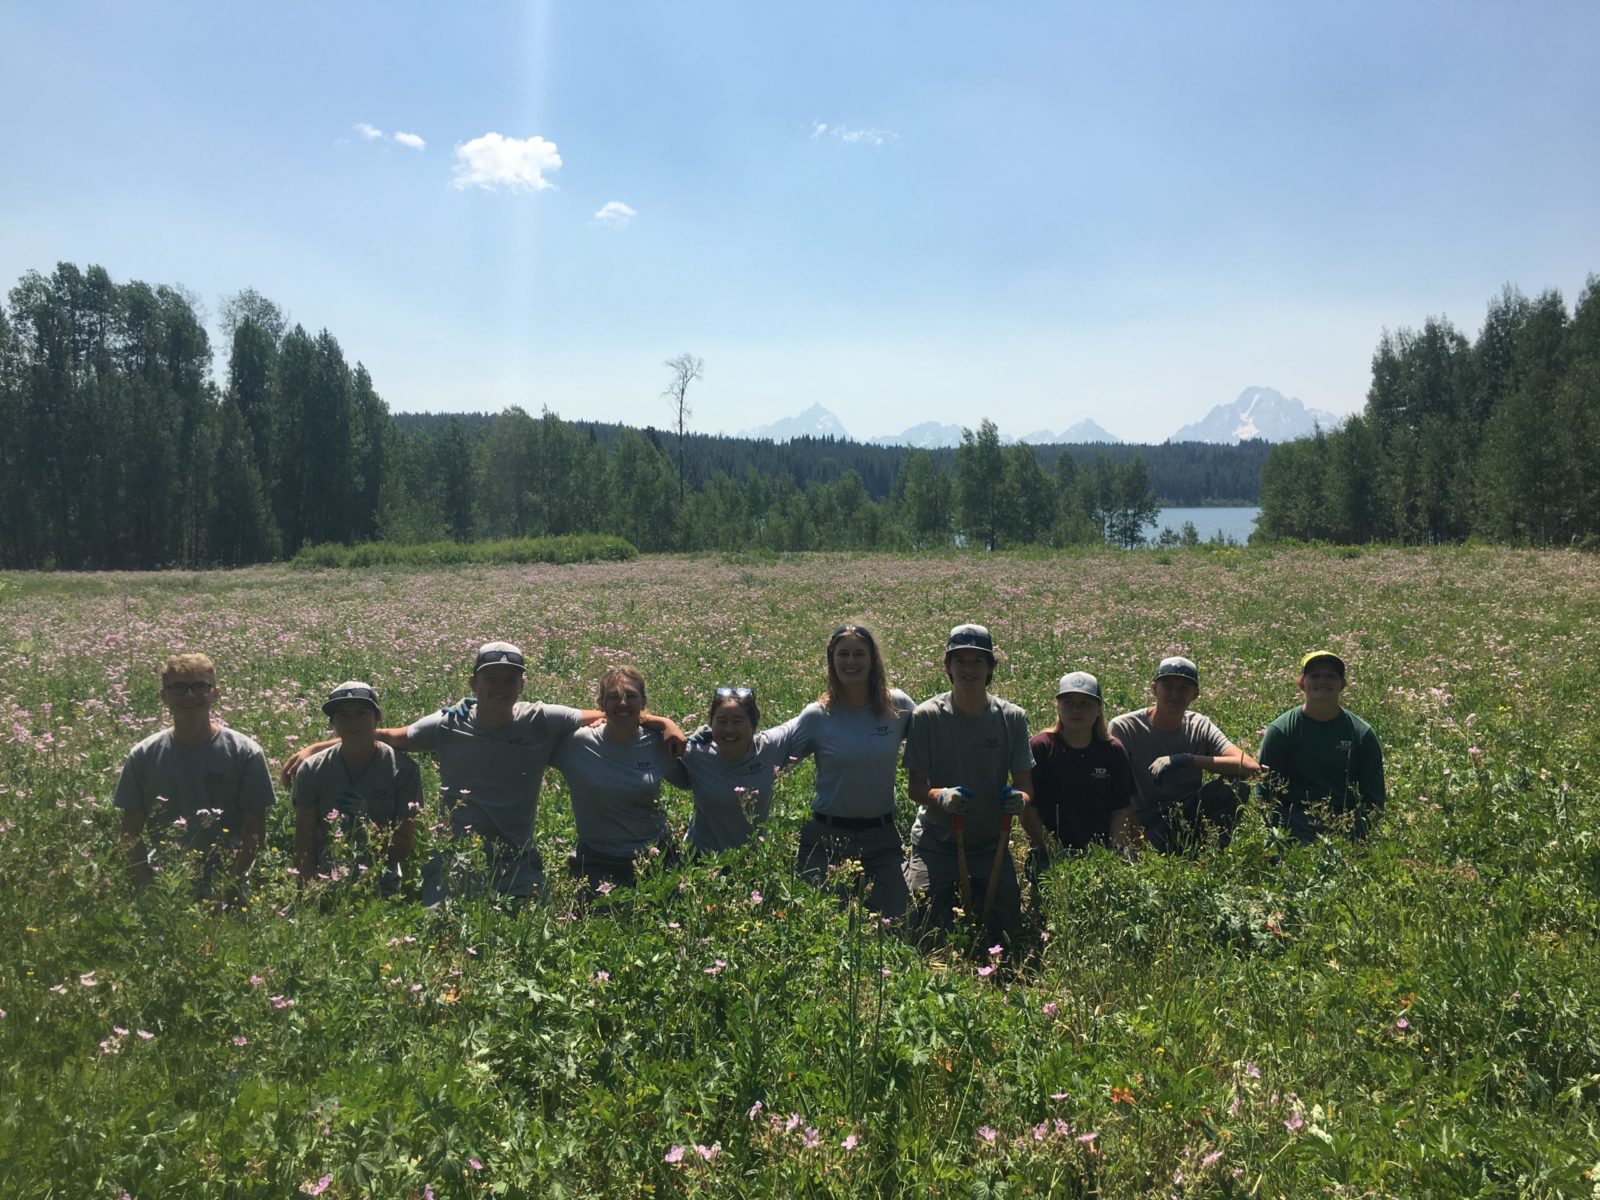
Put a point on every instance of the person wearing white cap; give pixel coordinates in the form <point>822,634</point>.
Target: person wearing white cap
<point>359,782</point>
<point>1170,749</point>
<point>1321,761</point>
<point>492,750</point>
<point>967,760</point>
<point>1081,778</point>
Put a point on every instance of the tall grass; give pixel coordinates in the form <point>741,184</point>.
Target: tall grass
<point>1412,1017</point>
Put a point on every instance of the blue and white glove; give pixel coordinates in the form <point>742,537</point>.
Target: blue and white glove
<point>953,799</point>
<point>1168,762</point>
<point>1011,801</point>
<point>461,708</point>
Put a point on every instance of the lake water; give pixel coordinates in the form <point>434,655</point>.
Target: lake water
<point>1235,523</point>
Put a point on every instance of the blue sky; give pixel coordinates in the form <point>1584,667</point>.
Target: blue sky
<point>1035,213</point>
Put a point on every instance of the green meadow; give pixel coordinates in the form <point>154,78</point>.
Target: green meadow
<point>1416,1016</point>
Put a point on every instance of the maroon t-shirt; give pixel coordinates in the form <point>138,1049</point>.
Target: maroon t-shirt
<point>1076,791</point>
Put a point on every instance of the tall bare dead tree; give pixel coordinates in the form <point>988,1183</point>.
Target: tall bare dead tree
<point>685,368</point>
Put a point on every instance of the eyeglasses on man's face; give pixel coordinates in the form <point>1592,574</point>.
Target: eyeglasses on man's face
<point>182,687</point>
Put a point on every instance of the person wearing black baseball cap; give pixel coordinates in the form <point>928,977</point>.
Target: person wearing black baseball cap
<point>359,783</point>
<point>967,760</point>
<point>492,749</point>
<point>1171,749</point>
<point>1323,764</point>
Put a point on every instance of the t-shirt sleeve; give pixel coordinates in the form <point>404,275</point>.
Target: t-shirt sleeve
<point>1021,752</point>
<point>677,772</point>
<point>783,742</point>
<point>903,706</point>
<point>129,793</point>
<point>919,741</point>
<point>1122,781</point>
<point>303,792</point>
<point>803,735</point>
<point>427,733</point>
<point>1276,759</point>
<point>1370,776</point>
<point>255,781</point>
<point>563,721</point>
<point>1045,798</point>
<point>1209,738</point>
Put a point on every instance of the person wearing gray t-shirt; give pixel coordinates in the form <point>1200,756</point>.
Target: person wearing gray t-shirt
<point>614,773</point>
<point>731,769</point>
<point>855,731</point>
<point>358,785</point>
<point>1169,748</point>
<point>198,780</point>
<point>492,750</point>
<point>970,769</point>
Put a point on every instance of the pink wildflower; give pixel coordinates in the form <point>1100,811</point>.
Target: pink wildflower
<point>851,1142</point>
<point>987,1134</point>
<point>474,1164</point>
<point>1295,1123</point>
<point>1211,1158</point>
<point>755,1111</point>
<point>240,1040</point>
<point>673,1156</point>
<point>1050,1009</point>
<point>256,981</point>
<point>708,1152</point>
<point>317,1188</point>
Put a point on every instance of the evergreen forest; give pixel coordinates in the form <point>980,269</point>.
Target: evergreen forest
<point>124,445</point>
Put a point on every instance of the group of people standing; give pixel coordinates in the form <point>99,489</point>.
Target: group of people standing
<point>972,769</point>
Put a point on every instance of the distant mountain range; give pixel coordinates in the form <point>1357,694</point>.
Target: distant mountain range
<point>1259,412</point>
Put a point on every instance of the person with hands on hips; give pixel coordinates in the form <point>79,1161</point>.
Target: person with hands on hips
<point>967,759</point>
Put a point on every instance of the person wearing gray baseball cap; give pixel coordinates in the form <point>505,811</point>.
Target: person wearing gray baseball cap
<point>1081,778</point>
<point>970,771</point>
<point>492,749</point>
<point>1171,749</point>
<point>361,785</point>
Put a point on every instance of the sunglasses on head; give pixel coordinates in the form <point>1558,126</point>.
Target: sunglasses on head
<point>738,693</point>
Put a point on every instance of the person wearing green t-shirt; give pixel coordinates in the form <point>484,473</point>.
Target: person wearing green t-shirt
<point>1322,764</point>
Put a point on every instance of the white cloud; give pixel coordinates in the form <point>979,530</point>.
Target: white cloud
<point>869,136</point>
<point>615,213</point>
<point>410,139</point>
<point>369,132</point>
<point>494,160</point>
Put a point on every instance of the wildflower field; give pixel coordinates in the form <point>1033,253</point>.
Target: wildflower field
<point>1419,1016</point>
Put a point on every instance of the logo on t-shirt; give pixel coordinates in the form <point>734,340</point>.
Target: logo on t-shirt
<point>880,731</point>
<point>991,743</point>
<point>1099,773</point>
<point>1345,745</point>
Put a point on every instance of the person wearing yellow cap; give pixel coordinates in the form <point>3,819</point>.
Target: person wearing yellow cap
<point>1322,764</point>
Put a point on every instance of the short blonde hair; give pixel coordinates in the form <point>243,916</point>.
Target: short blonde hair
<point>188,664</point>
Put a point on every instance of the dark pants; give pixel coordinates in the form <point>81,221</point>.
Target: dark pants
<point>1208,815</point>
<point>599,870</point>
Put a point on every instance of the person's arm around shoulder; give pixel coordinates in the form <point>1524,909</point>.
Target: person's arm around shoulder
<point>398,738</point>
<point>671,735</point>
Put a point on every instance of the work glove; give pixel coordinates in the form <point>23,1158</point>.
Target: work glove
<point>1169,762</point>
<point>953,799</point>
<point>461,708</point>
<point>1011,801</point>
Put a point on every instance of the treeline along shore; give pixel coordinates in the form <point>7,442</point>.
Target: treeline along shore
<point>123,448</point>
